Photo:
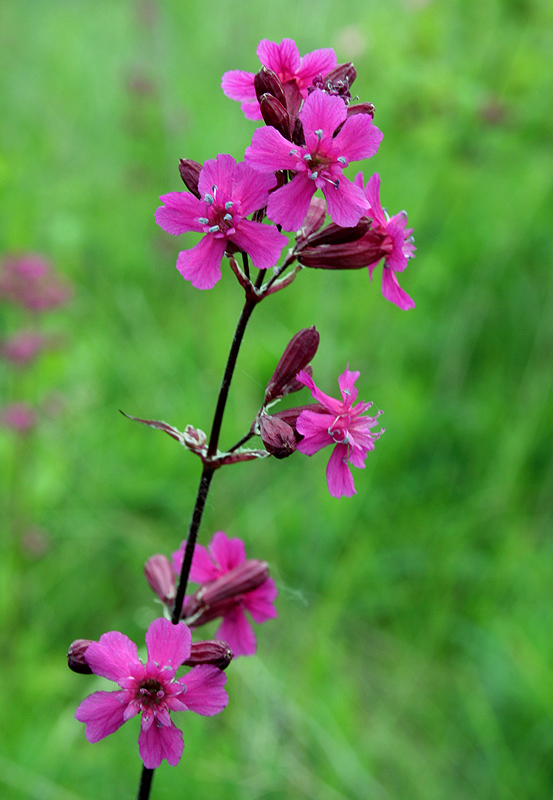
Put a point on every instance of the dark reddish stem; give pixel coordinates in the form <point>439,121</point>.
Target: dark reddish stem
<point>145,784</point>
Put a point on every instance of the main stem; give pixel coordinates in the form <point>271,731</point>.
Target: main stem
<point>203,490</point>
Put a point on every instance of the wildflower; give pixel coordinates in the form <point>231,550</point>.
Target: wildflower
<point>20,417</point>
<point>151,689</point>
<point>319,164</point>
<point>397,240</point>
<point>295,72</point>
<point>228,193</point>
<point>231,585</point>
<point>30,281</point>
<point>22,348</point>
<point>342,425</point>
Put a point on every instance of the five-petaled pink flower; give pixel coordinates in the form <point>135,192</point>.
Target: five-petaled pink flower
<point>150,689</point>
<point>221,557</point>
<point>319,164</point>
<point>343,426</point>
<point>283,59</point>
<point>398,239</point>
<point>229,192</point>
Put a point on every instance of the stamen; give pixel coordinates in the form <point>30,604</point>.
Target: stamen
<point>203,220</point>
<point>313,176</point>
<point>307,157</point>
<point>319,134</point>
<point>229,204</point>
<point>209,198</point>
<point>343,160</point>
<point>293,152</point>
<point>228,217</point>
<point>213,229</point>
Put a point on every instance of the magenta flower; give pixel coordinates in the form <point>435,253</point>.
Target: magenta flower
<point>150,689</point>
<point>397,239</point>
<point>221,557</point>
<point>283,59</point>
<point>30,281</point>
<point>319,164</point>
<point>228,192</point>
<point>343,426</point>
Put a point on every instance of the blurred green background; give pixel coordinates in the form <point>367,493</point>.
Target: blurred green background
<point>413,654</point>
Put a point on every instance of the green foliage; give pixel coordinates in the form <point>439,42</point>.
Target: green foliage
<point>413,655</point>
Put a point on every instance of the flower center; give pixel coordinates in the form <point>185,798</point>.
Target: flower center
<point>338,431</point>
<point>150,693</point>
<point>219,219</point>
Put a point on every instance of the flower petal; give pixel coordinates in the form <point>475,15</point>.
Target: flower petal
<point>168,645</point>
<point>113,657</point>
<point>217,173</point>
<point>269,151</point>
<point>203,569</point>
<point>359,138</point>
<point>238,633</point>
<point>239,85</point>
<point>330,403</point>
<point>322,111</point>
<point>205,692</point>
<point>318,62</point>
<point>201,265</point>
<point>260,602</point>
<point>314,428</point>
<point>103,713</point>
<point>180,213</point>
<point>251,188</point>
<point>283,58</point>
<point>338,474</point>
<point>346,382</point>
<point>262,242</point>
<point>228,553</point>
<point>346,203</point>
<point>288,206</point>
<point>393,292</point>
<point>156,743</point>
<point>372,193</point>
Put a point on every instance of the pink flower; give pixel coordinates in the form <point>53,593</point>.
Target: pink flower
<point>228,193</point>
<point>319,164</point>
<point>22,348</point>
<point>223,556</point>
<point>397,238</point>
<point>343,426</point>
<point>283,59</point>
<point>20,417</point>
<point>30,281</point>
<point>150,689</point>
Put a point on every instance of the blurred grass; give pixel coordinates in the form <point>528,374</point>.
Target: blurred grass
<point>413,653</point>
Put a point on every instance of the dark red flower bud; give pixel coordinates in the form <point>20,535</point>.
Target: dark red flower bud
<point>75,656</point>
<point>299,351</point>
<point>335,234</point>
<point>218,597</point>
<point>161,577</point>
<point>339,80</point>
<point>275,115</point>
<point>212,651</point>
<point>370,248</point>
<point>361,108</point>
<point>290,415</point>
<point>190,173</point>
<point>267,82</point>
<point>278,437</point>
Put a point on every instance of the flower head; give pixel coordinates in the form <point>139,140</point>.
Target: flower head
<point>319,164</point>
<point>29,280</point>
<point>397,240</point>
<point>20,417</point>
<point>285,61</point>
<point>228,193</point>
<point>342,425</point>
<point>151,690</point>
<point>222,568</point>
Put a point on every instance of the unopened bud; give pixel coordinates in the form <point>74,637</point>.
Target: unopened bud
<point>350,255</point>
<point>278,437</point>
<point>335,234</point>
<point>75,656</point>
<point>161,577</point>
<point>361,108</point>
<point>274,114</point>
<point>190,174</point>
<point>212,651</point>
<point>218,597</point>
<point>339,80</point>
<point>267,82</point>
<point>299,351</point>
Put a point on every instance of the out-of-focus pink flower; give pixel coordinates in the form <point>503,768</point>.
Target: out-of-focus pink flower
<point>343,426</point>
<point>23,347</point>
<point>397,239</point>
<point>29,280</point>
<point>19,417</point>
<point>285,61</point>
<point>222,557</point>
<point>151,689</point>
<point>228,193</point>
<point>319,164</point>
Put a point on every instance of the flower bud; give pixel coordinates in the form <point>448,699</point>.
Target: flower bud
<point>278,437</point>
<point>75,656</point>
<point>339,80</point>
<point>297,355</point>
<point>161,577</point>
<point>335,234</point>
<point>190,174</point>
<point>369,249</point>
<point>212,651</point>
<point>267,82</point>
<point>218,597</point>
<point>290,415</point>
<point>274,114</point>
<point>314,219</point>
<point>361,108</point>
